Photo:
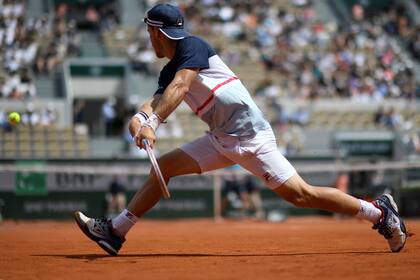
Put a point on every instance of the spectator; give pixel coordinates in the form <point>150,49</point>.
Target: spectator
<point>233,193</point>
<point>141,58</point>
<point>30,116</point>
<point>266,89</point>
<point>109,115</point>
<point>26,88</point>
<point>48,115</point>
<point>241,193</point>
<point>254,198</point>
<point>393,119</point>
<point>92,19</point>
<point>115,198</point>
<point>79,112</point>
<point>300,116</point>
<point>379,117</point>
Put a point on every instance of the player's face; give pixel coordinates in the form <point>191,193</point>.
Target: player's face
<point>154,35</point>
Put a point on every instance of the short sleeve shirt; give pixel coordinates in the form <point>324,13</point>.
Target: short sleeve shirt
<point>191,52</point>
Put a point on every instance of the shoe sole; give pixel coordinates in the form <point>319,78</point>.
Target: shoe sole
<point>402,225</point>
<point>103,244</point>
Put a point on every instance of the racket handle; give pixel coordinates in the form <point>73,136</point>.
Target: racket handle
<point>145,142</point>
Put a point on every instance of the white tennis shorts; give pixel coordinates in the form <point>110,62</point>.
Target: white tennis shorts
<point>259,155</point>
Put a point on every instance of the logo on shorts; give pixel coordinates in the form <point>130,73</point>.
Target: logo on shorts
<point>267,176</point>
<point>129,215</point>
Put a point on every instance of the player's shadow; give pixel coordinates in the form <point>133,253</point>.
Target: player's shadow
<point>93,257</point>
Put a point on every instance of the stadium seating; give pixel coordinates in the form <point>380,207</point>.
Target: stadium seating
<point>43,142</point>
<point>243,40</point>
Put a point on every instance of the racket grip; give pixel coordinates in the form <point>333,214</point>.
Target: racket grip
<point>145,142</point>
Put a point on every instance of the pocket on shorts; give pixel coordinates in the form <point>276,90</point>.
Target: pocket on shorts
<point>262,142</point>
<point>228,145</point>
<point>249,147</point>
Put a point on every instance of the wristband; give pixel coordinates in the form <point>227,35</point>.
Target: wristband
<point>142,117</point>
<point>153,122</point>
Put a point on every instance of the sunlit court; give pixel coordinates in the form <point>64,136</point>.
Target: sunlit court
<point>299,248</point>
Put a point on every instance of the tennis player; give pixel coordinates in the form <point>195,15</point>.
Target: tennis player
<point>238,134</point>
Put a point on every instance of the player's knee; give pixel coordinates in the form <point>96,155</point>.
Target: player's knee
<point>300,196</point>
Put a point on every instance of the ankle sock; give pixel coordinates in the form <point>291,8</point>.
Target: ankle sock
<point>123,222</point>
<point>369,212</point>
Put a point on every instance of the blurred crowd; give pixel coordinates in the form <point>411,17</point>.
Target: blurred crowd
<point>301,56</point>
<point>31,116</point>
<point>18,50</point>
<point>309,58</point>
<point>30,47</point>
<point>97,16</point>
<point>140,53</point>
<point>305,57</point>
<point>396,22</point>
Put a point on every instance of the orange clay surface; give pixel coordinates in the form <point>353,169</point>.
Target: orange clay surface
<point>300,248</point>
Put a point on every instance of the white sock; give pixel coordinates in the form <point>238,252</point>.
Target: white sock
<point>123,222</point>
<point>369,212</point>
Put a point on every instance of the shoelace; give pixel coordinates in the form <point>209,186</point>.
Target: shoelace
<point>383,230</point>
<point>103,223</point>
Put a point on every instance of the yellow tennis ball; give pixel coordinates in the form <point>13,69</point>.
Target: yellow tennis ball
<point>14,118</point>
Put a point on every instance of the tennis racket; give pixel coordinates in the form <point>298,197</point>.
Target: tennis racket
<point>162,183</point>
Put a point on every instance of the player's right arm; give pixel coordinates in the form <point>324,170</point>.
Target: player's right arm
<point>147,108</point>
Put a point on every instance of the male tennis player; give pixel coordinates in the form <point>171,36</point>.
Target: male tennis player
<point>238,133</point>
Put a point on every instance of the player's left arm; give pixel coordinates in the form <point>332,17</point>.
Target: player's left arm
<point>169,101</point>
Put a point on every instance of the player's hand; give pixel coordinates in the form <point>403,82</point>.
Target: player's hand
<point>147,133</point>
<point>134,126</point>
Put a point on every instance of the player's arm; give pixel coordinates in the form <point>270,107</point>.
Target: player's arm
<point>144,111</point>
<point>167,103</point>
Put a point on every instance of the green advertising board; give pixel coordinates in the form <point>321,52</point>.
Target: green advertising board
<point>61,205</point>
<point>31,183</point>
<point>366,143</point>
<point>82,70</point>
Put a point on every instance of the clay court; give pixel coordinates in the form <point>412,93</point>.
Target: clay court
<point>300,248</point>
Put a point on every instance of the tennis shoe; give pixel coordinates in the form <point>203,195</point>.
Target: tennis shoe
<point>100,231</point>
<point>390,225</point>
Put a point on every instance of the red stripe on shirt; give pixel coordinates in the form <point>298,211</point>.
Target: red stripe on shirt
<point>223,83</point>
<point>204,104</point>
<point>212,93</point>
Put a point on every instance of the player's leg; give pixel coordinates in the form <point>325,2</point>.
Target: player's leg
<point>295,190</point>
<point>382,212</point>
<point>194,157</point>
<point>265,161</point>
<point>149,194</point>
<point>110,234</point>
